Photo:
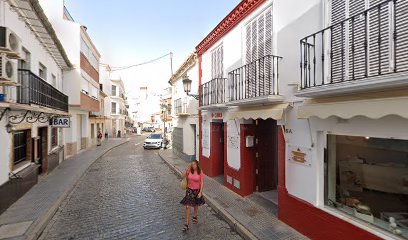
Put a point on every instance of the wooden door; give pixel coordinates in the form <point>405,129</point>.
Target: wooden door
<point>217,147</point>
<point>266,144</point>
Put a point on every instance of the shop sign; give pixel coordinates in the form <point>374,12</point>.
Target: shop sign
<point>300,155</point>
<point>216,115</point>
<point>60,122</point>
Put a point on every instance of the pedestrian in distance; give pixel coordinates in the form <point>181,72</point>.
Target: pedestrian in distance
<point>194,192</point>
<point>99,138</point>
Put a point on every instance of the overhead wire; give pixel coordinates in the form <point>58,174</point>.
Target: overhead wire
<point>136,65</point>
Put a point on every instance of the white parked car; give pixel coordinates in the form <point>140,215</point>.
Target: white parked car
<point>154,140</point>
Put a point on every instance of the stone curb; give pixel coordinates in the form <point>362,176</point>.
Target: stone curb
<point>35,231</point>
<point>234,224</point>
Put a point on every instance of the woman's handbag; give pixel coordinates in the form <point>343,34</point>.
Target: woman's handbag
<point>184,183</point>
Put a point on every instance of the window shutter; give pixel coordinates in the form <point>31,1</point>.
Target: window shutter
<point>357,39</point>
<point>268,32</point>
<point>217,55</point>
<point>221,67</point>
<point>261,37</point>
<point>212,64</point>
<point>248,44</point>
<point>379,28</point>
<point>338,14</point>
<point>338,11</point>
<point>401,56</point>
<point>254,41</point>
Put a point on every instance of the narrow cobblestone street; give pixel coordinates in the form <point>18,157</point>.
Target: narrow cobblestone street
<point>130,193</point>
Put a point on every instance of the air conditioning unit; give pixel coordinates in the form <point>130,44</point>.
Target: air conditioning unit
<point>8,69</point>
<point>10,43</point>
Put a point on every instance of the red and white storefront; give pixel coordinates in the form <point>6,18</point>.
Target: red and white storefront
<point>240,101</point>
<point>261,132</point>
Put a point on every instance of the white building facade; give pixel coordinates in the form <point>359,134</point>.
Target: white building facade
<point>82,83</point>
<point>116,104</point>
<point>337,155</point>
<point>31,85</point>
<point>185,139</point>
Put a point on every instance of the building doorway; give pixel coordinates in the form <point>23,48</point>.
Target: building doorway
<point>266,150</point>
<point>93,132</point>
<point>217,148</point>
<point>42,149</point>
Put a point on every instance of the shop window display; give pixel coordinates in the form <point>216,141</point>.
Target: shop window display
<point>368,178</point>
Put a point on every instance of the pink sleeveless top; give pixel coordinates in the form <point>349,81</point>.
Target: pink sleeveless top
<point>194,180</point>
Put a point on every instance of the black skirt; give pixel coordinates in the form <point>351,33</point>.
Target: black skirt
<point>191,199</point>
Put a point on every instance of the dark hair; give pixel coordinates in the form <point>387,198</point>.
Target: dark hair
<point>198,167</point>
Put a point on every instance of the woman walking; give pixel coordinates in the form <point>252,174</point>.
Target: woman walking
<point>194,192</point>
<point>99,138</point>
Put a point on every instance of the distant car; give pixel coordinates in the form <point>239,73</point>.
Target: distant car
<point>149,129</point>
<point>154,140</point>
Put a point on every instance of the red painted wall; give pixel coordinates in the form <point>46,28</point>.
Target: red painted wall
<point>246,174</point>
<point>88,68</point>
<point>307,219</point>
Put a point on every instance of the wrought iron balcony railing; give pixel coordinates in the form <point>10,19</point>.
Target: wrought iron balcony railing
<point>213,92</point>
<point>256,79</point>
<point>34,90</point>
<point>368,44</point>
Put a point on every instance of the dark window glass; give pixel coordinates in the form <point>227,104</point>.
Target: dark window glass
<point>20,147</point>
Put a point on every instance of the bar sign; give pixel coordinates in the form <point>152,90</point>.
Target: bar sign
<point>61,122</point>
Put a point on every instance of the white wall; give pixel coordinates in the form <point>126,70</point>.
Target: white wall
<point>5,151</point>
<point>38,54</point>
<point>292,20</point>
<point>206,131</point>
<point>72,86</point>
<point>68,32</point>
<point>233,144</point>
<point>33,45</point>
<point>189,139</point>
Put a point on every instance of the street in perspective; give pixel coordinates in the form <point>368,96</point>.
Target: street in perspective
<point>238,119</point>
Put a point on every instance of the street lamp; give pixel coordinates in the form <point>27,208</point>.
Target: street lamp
<point>187,88</point>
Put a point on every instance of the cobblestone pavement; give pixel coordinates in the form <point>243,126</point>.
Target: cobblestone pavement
<point>131,193</point>
<point>254,215</point>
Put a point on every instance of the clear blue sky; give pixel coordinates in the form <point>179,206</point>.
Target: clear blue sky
<point>132,31</point>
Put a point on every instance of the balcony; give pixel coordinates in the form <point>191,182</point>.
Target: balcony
<point>34,90</point>
<point>213,93</point>
<point>180,107</point>
<point>255,83</point>
<point>365,52</point>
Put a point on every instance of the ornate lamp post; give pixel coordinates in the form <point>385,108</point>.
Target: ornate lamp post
<point>187,87</point>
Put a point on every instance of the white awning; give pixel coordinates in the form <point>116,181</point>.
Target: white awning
<point>260,112</point>
<point>370,108</point>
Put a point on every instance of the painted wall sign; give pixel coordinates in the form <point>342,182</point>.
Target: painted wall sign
<point>300,155</point>
<point>216,115</point>
<point>61,122</point>
<point>288,131</point>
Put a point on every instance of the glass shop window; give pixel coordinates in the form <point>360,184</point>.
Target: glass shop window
<point>367,178</point>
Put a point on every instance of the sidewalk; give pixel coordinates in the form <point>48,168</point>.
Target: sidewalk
<point>249,219</point>
<point>27,217</point>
